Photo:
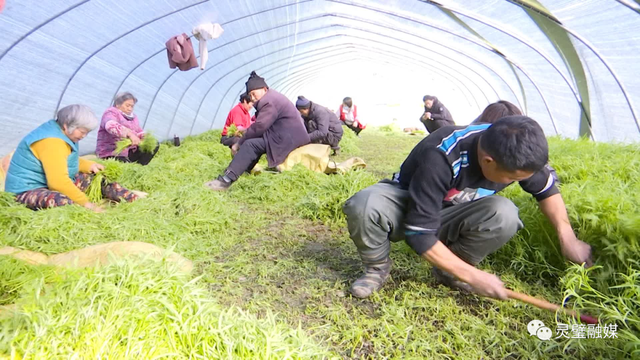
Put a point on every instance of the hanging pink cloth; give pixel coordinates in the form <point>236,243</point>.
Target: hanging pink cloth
<point>180,53</point>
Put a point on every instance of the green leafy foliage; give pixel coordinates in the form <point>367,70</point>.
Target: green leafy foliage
<point>233,131</point>
<point>122,144</point>
<point>112,171</point>
<point>141,309</point>
<point>278,244</point>
<point>148,143</point>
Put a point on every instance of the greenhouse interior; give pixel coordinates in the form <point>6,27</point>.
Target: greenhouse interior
<point>320,179</point>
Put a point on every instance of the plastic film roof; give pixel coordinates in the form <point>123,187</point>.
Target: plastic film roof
<point>570,64</point>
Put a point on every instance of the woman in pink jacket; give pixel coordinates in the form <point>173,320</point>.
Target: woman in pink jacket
<point>119,122</point>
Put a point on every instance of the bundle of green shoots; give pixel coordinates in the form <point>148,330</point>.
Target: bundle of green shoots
<point>147,145</point>
<point>233,131</point>
<point>112,171</point>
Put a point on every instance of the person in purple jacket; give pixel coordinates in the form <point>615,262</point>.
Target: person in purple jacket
<point>119,122</point>
<point>278,130</point>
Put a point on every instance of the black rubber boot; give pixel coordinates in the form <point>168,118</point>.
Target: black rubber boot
<point>219,184</point>
<point>375,275</point>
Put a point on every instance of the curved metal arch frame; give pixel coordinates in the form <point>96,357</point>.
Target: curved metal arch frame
<point>286,84</point>
<point>215,115</point>
<point>339,48</point>
<point>569,31</point>
<point>605,63</point>
<point>577,37</point>
<point>527,44</point>
<point>372,23</point>
<point>523,71</point>
<point>277,39</point>
<point>271,77</point>
<point>532,82</point>
<point>30,32</point>
<point>386,54</point>
<point>208,69</point>
<point>225,23</point>
<point>104,46</point>
<point>441,44</point>
<point>226,93</point>
<point>282,72</point>
<point>635,9</point>
<point>330,55</point>
<point>391,55</point>
<point>194,4</point>
<point>206,94</point>
<point>475,42</point>
<point>572,33</point>
<point>462,37</point>
<point>347,26</point>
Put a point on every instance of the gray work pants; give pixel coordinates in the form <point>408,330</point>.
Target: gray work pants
<point>472,230</point>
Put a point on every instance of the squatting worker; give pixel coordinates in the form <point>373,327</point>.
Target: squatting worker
<point>443,203</point>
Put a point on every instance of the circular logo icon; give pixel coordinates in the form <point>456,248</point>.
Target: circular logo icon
<point>533,327</point>
<point>544,333</point>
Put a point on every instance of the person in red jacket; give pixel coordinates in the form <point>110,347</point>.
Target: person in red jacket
<point>348,114</point>
<point>241,118</point>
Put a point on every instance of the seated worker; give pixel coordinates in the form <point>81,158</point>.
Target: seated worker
<point>348,114</point>
<point>500,109</point>
<point>119,122</point>
<point>46,171</point>
<point>241,118</point>
<point>322,125</point>
<point>443,204</point>
<point>278,130</point>
<point>435,114</point>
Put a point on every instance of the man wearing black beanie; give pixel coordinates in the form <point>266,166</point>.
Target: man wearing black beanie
<point>278,130</point>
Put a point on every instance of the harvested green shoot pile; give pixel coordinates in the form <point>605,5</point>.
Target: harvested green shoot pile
<point>112,171</point>
<point>122,144</point>
<point>147,145</point>
<point>276,246</point>
<point>232,130</point>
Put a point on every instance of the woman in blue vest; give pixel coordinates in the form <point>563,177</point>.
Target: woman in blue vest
<point>46,171</point>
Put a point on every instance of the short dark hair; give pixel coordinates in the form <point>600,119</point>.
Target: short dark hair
<point>428,97</point>
<point>498,110</point>
<point>516,143</point>
<point>244,97</point>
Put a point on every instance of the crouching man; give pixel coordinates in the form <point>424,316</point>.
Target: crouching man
<point>322,125</point>
<point>443,204</point>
